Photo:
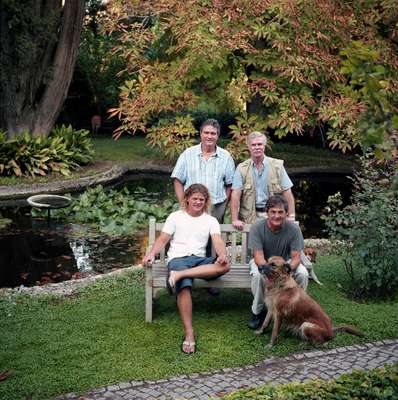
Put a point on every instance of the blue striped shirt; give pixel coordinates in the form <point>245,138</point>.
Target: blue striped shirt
<point>215,173</point>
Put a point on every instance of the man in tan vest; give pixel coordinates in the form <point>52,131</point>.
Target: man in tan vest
<point>255,180</point>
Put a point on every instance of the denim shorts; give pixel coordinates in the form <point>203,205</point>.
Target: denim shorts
<point>183,263</point>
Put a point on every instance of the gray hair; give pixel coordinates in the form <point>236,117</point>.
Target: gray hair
<point>254,135</point>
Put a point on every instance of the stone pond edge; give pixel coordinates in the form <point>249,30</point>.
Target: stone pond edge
<point>115,172</point>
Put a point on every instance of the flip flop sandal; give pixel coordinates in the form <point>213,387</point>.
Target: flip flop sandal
<point>170,284</point>
<point>190,345</point>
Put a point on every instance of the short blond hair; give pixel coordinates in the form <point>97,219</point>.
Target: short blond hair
<point>254,135</point>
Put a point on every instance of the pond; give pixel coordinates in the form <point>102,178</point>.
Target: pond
<point>35,252</point>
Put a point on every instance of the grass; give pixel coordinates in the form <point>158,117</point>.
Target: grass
<point>128,149</point>
<point>135,150</point>
<point>297,156</point>
<point>99,337</point>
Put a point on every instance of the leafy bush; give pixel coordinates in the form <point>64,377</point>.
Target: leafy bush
<point>173,138</point>
<point>366,231</point>
<point>113,212</point>
<point>239,132</point>
<point>380,383</point>
<point>64,150</point>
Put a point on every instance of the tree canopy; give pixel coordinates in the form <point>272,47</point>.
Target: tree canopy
<point>285,66</point>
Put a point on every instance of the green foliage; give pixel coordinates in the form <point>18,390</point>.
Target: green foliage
<point>77,143</point>
<point>365,232</point>
<point>244,125</point>
<point>377,384</point>
<point>62,151</point>
<point>278,60</point>
<point>30,32</point>
<point>112,212</point>
<point>96,65</point>
<point>173,138</point>
<point>372,87</point>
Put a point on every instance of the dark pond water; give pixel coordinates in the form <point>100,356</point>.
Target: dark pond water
<point>33,252</point>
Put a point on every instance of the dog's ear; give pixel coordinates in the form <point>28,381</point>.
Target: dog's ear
<point>287,268</point>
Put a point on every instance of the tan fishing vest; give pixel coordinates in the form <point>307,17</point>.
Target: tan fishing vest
<point>247,209</point>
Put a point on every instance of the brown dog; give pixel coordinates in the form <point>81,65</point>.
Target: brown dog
<point>290,304</point>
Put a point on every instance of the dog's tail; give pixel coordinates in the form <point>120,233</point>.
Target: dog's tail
<point>347,329</point>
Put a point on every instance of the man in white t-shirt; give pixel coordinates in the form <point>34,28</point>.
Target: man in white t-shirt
<point>188,231</point>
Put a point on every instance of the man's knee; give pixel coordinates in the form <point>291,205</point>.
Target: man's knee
<point>257,279</point>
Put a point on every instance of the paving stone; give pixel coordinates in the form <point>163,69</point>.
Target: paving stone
<point>315,364</point>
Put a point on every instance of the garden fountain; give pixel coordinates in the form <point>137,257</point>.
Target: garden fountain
<point>48,202</point>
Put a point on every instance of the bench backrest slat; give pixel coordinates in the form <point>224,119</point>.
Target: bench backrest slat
<point>233,247</point>
<point>238,253</point>
<point>244,248</point>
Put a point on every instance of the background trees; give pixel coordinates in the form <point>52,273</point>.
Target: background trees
<point>276,63</point>
<point>39,42</point>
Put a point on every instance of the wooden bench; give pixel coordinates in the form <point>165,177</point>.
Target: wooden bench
<point>238,276</point>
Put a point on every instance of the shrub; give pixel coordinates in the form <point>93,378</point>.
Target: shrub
<point>365,232</point>
<point>62,151</point>
<point>77,143</point>
<point>239,132</point>
<point>173,138</point>
<point>377,384</point>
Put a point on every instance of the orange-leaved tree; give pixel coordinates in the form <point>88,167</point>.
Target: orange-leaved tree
<point>278,64</point>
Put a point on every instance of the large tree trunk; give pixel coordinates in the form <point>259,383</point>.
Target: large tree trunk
<point>39,45</point>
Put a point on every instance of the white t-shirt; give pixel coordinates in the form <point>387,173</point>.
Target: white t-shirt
<point>189,234</point>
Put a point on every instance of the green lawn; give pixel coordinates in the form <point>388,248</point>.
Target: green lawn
<point>134,150</point>
<point>99,336</point>
<point>125,149</point>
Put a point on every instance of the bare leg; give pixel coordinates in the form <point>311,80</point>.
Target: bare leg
<point>184,303</point>
<point>201,271</point>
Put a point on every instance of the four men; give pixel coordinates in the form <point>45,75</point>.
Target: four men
<point>261,196</point>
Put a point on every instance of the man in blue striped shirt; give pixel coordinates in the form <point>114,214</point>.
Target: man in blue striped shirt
<point>208,164</point>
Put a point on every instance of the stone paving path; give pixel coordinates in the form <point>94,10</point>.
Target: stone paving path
<point>297,367</point>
